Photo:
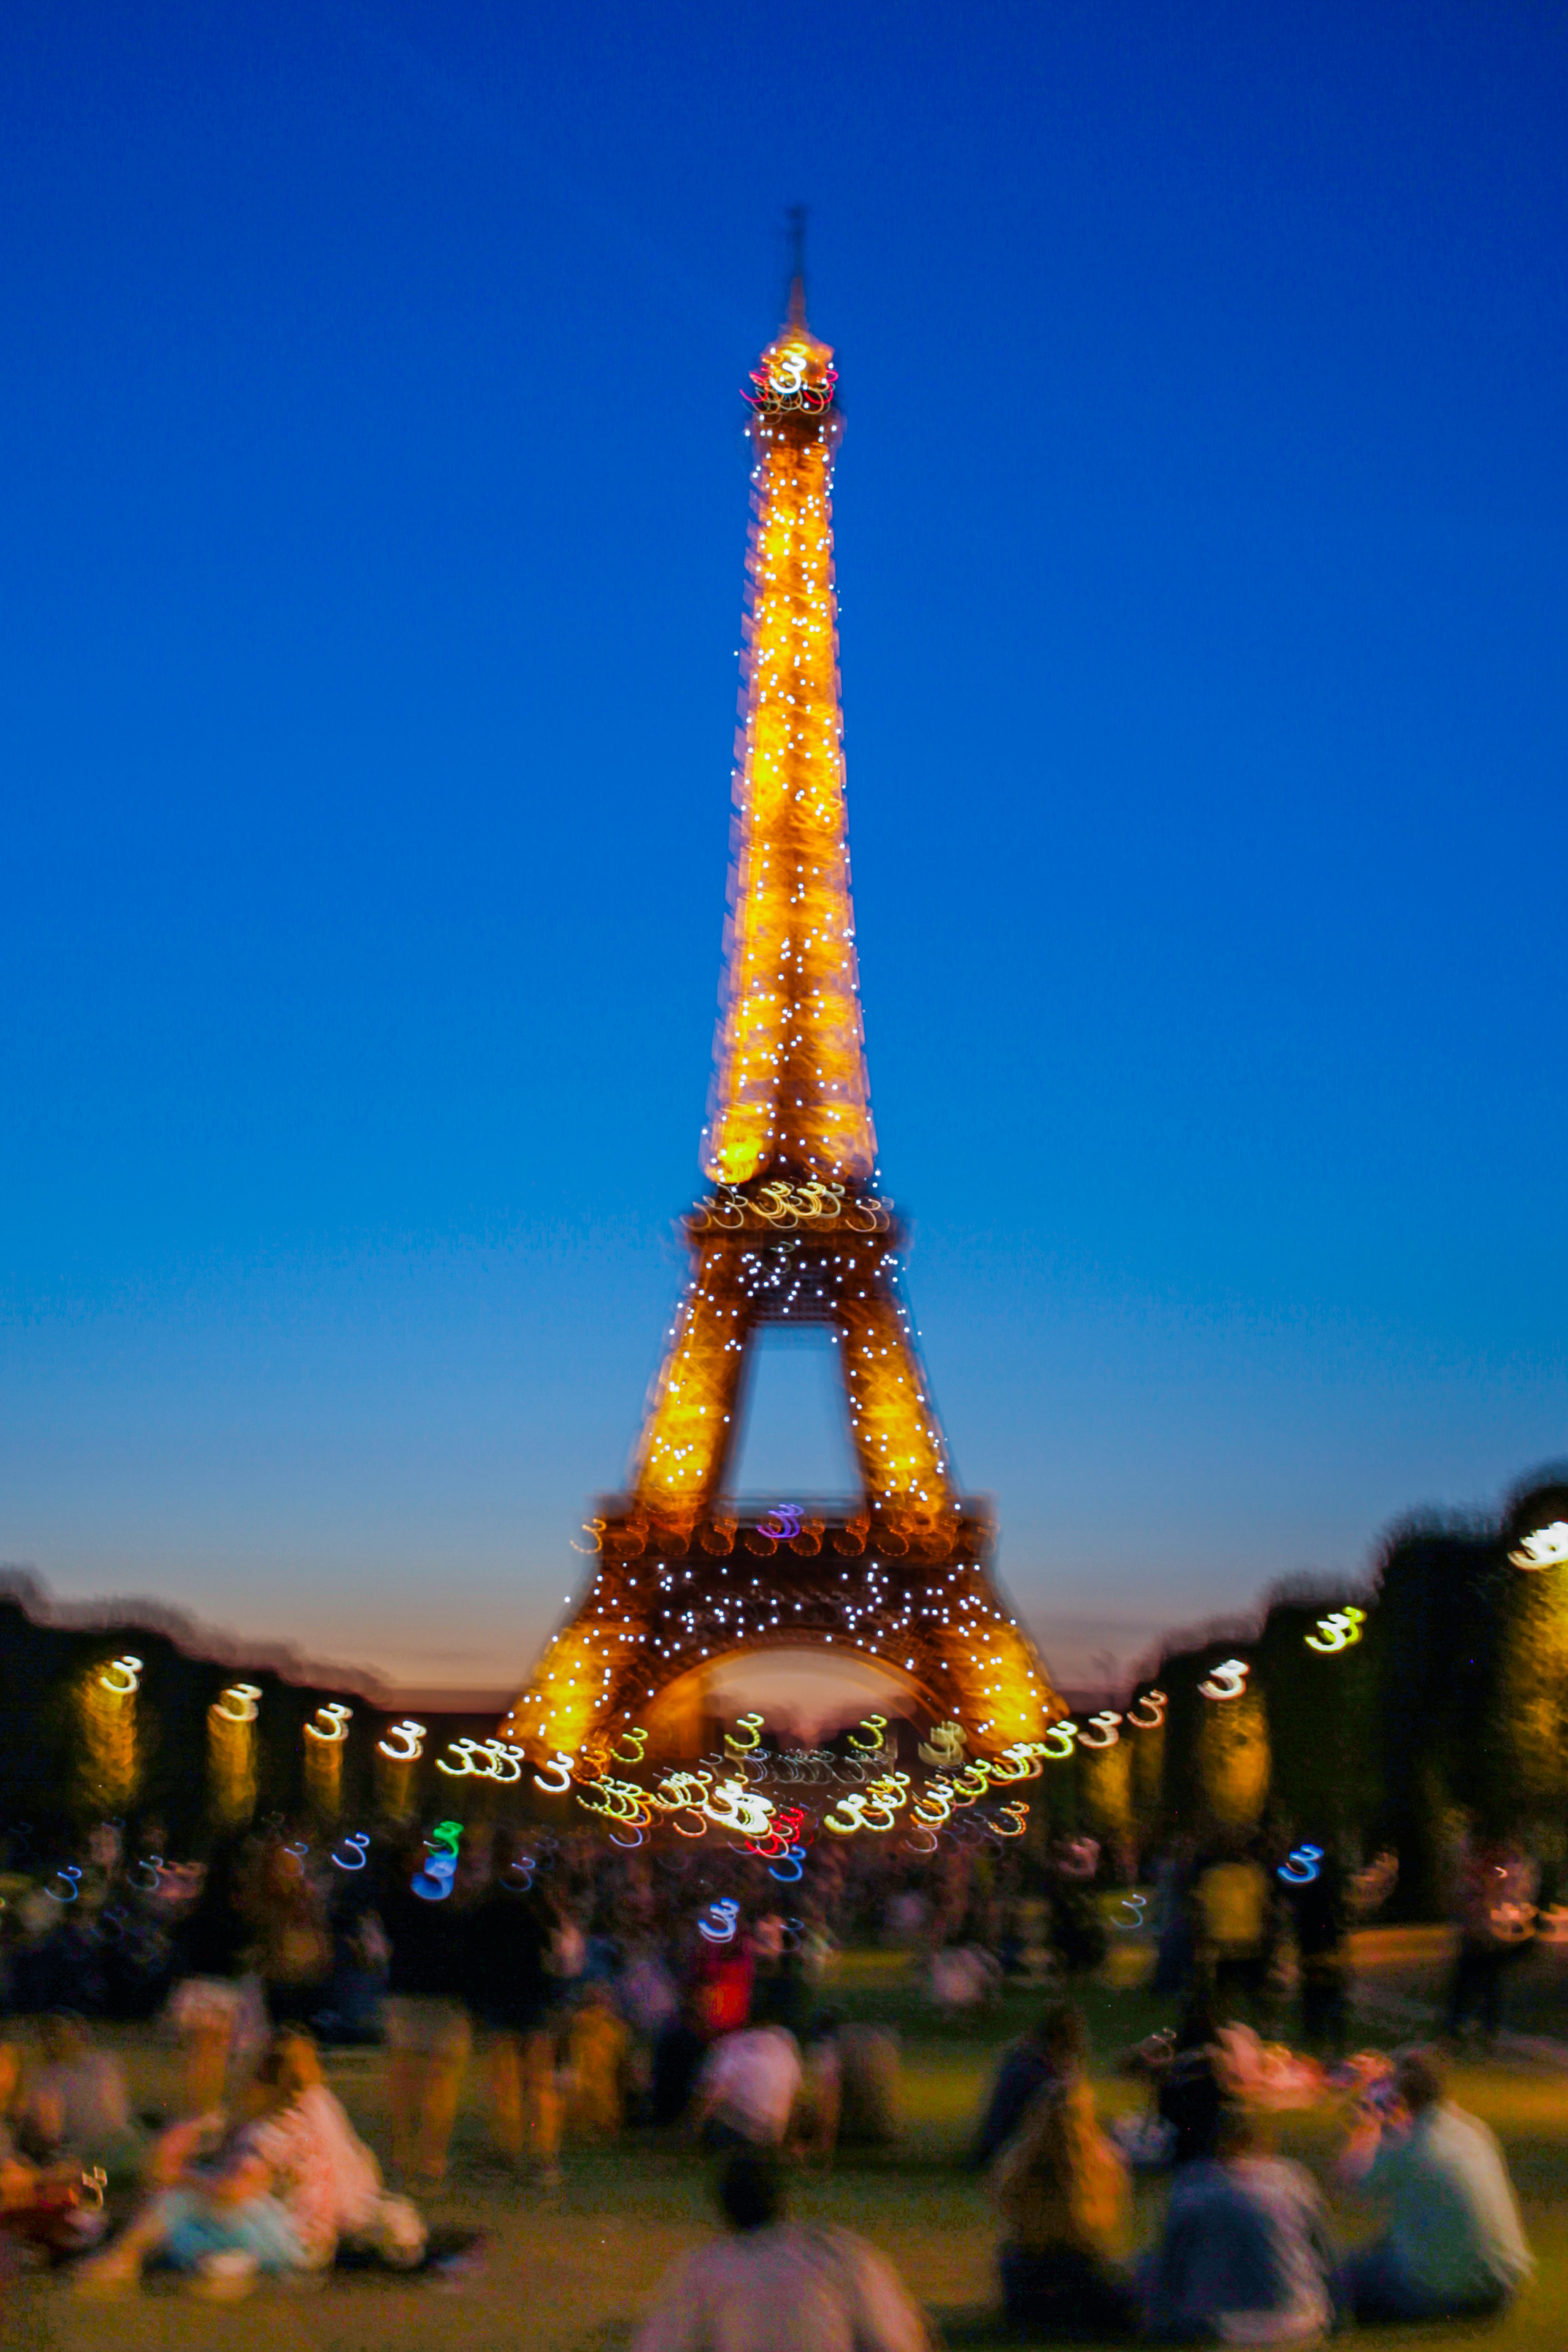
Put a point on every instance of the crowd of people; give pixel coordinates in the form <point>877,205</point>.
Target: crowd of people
<point>1227,1909</point>
<point>601,1988</point>
<point>1245,2252</point>
<point>605,1990</point>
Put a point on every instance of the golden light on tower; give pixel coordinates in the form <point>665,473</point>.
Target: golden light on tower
<point>790,1086</point>
<point>792,1231</point>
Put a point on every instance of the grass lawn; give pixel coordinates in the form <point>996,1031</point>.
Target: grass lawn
<point>571,2270</point>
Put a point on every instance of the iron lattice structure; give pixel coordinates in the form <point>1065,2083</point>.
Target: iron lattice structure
<point>793,1230</point>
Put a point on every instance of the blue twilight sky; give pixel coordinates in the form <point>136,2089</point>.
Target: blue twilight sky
<point>374,531</point>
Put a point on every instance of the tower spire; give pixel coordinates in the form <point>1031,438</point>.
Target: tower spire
<point>791,1099</point>
<point>795,231</point>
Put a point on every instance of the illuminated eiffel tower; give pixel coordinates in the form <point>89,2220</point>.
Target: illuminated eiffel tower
<point>791,1230</point>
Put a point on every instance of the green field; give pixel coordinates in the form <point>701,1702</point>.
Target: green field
<point>572,2269</point>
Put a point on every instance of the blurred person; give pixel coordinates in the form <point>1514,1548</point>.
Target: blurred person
<point>1025,2066</point>
<point>512,1994</point>
<point>1172,1920</point>
<point>721,1977</point>
<point>568,1957</point>
<point>814,2126</point>
<point>16,2173</point>
<point>775,2285</point>
<point>818,1948</point>
<point>217,1994</point>
<point>1174,1948</point>
<point>870,2083</point>
<point>1454,2246</point>
<point>1233,1900</point>
<point>908,1909</point>
<point>1189,2097</point>
<point>141,1903</point>
<point>1078,1935</point>
<point>746,2089</point>
<point>58,1961</point>
<point>351,2015</point>
<point>1244,2254</point>
<point>602,1957</point>
<point>429,2034</point>
<point>715,1998</point>
<point>1321,1909</point>
<point>272,2191</point>
<point>75,2108</point>
<point>648,1994</point>
<point>780,1993</point>
<point>1062,2191</point>
<point>294,1950</point>
<point>42,2204</point>
<point>1495,1914</point>
<point>677,2057</point>
<point>597,2042</point>
<point>962,1974</point>
<point>650,2002</point>
<point>768,1937</point>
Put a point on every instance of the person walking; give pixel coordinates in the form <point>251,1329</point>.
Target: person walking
<point>218,1995</point>
<point>1233,1906</point>
<point>294,1950</point>
<point>1496,1917</point>
<point>511,1995</point>
<point>429,2034</point>
<point>1321,1908</point>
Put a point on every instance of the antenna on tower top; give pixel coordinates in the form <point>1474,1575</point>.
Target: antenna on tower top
<point>794,234</point>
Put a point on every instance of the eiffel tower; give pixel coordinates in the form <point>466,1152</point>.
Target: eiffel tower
<point>793,1229</point>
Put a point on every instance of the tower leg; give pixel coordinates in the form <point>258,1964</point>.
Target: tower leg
<point>692,1420</point>
<point>903,1467</point>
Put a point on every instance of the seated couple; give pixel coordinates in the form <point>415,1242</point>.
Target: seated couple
<point>276,2188</point>
<point>1454,2247</point>
<point>1244,2256</point>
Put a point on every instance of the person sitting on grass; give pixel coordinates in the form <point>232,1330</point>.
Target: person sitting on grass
<point>39,2203</point>
<point>1062,2190</point>
<point>1244,2256</point>
<point>1455,2246</point>
<point>76,2109</point>
<point>775,2285</point>
<point>746,2091</point>
<point>1027,2066</point>
<point>285,2181</point>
